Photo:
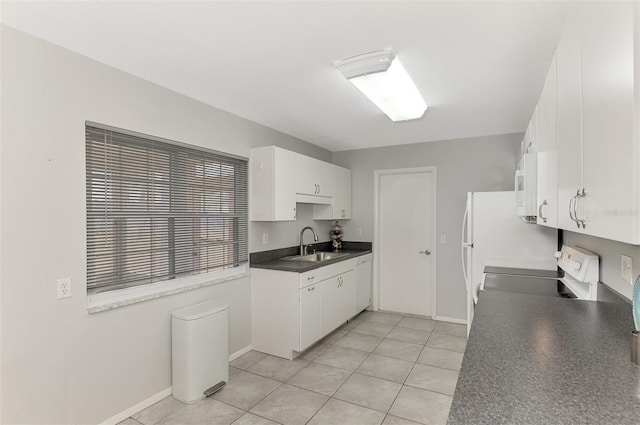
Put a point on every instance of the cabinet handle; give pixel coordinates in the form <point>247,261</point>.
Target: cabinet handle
<point>318,189</point>
<point>575,210</point>
<point>310,277</point>
<point>294,213</point>
<point>544,220</point>
<point>571,210</point>
<point>575,207</point>
<point>311,289</point>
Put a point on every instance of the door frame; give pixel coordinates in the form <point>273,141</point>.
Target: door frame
<point>376,230</point>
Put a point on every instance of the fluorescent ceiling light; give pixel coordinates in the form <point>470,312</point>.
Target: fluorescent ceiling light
<point>383,79</point>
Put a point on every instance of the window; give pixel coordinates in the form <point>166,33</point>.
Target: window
<point>157,209</point>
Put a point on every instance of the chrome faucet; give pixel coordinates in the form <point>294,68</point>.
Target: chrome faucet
<point>303,249</point>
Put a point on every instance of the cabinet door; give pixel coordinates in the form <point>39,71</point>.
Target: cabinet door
<point>340,209</point>
<point>607,36</point>
<point>342,194</point>
<point>569,119</point>
<point>347,295</point>
<point>284,185</point>
<point>547,189</point>
<point>310,315</point>
<point>273,191</point>
<point>546,112</point>
<point>313,177</point>
<point>307,169</point>
<point>531,134</point>
<point>331,307</point>
<point>325,178</point>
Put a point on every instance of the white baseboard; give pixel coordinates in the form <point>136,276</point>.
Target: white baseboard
<point>138,407</point>
<point>450,320</point>
<point>240,352</point>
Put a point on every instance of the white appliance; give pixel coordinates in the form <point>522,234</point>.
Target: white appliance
<point>525,184</point>
<point>492,235</point>
<point>364,273</point>
<point>582,271</point>
<point>579,276</point>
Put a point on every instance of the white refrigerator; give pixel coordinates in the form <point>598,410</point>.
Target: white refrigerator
<point>493,235</point>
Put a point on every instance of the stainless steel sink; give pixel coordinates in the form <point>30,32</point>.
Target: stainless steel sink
<point>317,256</point>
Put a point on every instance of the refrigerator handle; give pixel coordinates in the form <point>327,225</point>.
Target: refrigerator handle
<point>464,245</point>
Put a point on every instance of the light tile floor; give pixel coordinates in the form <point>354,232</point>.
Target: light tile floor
<point>379,368</point>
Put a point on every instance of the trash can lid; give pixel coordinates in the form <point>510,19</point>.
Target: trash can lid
<point>199,310</point>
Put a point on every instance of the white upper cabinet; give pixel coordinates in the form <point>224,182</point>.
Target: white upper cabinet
<point>609,167</point>
<point>546,112</point>
<point>281,178</point>
<point>546,146</point>
<point>313,177</point>
<point>273,180</point>
<point>340,209</point>
<point>547,189</point>
<point>598,140</point>
<point>530,135</point>
<point>569,130</point>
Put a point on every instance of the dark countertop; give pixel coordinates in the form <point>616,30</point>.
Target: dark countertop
<point>533,359</point>
<point>272,260</point>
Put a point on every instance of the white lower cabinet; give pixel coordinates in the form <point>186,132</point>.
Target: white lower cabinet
<point>311,305</point>
<point>348,295</point>
<point>338,300</point>
<point>330,315</point>
<point>291,311</point>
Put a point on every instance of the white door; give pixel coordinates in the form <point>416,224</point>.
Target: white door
<point>406,261</point>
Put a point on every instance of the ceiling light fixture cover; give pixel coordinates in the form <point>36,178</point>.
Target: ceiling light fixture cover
<point>383,79</point>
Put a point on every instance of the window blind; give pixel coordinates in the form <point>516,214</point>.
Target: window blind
<point>158,209</point>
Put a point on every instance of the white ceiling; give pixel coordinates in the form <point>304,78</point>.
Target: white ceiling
<point>479,65</point>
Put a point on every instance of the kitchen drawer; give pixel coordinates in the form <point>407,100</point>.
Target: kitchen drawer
<point>326,272</point>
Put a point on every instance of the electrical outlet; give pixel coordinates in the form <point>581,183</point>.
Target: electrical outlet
<point>265,238</point>
<point>626,270</point>
<point>358,231</point>
<point>64,288</point>
<point>443,238</point>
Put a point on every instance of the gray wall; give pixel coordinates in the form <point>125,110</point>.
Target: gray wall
<point>61,365</point>
<point>468,165</point>
<point>610,260</point>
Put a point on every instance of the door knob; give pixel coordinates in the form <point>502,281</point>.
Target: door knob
<point>426,252</point>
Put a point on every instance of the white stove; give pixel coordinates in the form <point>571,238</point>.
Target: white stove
<point>578,277</point>
<point>581,271</point>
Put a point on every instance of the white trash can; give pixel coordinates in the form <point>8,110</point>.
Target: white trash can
<point>200,350</point>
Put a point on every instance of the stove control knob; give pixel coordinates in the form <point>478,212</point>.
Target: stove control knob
<point>576,265</point>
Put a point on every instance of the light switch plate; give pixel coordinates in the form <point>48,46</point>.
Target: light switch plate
<point>265,238</point>
<point>358,231</point>
<point>626,269</point>
<point>443,238</point>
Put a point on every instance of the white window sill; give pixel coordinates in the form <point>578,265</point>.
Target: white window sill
<point>119,298</point>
